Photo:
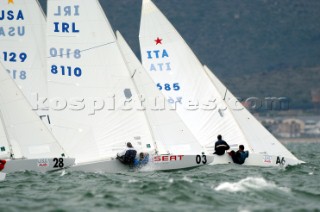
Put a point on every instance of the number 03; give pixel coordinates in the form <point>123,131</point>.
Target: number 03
<point>201,158</point>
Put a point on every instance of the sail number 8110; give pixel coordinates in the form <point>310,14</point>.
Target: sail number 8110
<point>66,70</point>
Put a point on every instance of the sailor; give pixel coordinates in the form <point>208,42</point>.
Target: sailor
<point>142,161</point>
<point>240,156</point>
<point>2,164</point>
<point>220,146</point>
<point>128,155</point>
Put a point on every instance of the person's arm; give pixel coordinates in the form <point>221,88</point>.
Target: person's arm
<point>228,147</point>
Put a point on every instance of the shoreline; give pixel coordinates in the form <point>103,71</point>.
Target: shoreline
<point>299,140</point>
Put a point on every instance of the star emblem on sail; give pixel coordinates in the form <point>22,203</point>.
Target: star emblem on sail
<point>158,41</point>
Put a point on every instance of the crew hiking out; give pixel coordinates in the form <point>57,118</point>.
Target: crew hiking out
<point>240,156</point>
<point>128,155</point>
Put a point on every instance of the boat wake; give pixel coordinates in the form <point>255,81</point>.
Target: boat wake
<point>249,184</point>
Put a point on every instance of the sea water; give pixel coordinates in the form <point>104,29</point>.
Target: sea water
<point>208,188</point>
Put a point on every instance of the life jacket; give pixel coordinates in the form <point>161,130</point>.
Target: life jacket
<point>129,156</point>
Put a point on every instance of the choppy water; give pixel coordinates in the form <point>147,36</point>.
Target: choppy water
<point>209,188</point>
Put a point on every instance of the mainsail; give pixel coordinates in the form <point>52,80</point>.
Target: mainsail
<point>86,70</point>
<point>179,75</point>
<point>168,129</point>
<point>22,41</point>
<point>26,135</point>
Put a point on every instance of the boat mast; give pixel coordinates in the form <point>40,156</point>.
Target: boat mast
<point>7,135</point>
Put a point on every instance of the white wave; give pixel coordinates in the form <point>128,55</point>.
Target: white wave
<point>63,172</point>
<point>133,181</point>
<point>249,183</point>
<point>185,178</point>
<point>2,176</point>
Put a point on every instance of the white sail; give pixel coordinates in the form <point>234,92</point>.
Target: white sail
<point>260,139</point>
<point>166,125</point>
<point>84,62</point>
<point>177,72</point>
<point>22,41</point>
<point>162,46</point>
<point>26,133</point>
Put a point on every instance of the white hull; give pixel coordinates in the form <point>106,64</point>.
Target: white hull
<point>257,160</point>
<point>157,163</point>
<point>38,165</point>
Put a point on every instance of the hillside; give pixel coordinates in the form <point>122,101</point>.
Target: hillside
<point>295,84</point>
<point>264,40</point>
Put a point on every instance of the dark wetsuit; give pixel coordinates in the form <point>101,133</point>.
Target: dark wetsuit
<point>220,147</point>
<point>127,156</point>
<point>239,157</point>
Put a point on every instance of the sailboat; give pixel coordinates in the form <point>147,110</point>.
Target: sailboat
<point>25,142</point>
<point>167,127</point>
<point>181,77</point>
<point>89,75</point>
<point>23,46</point>
<point>267,152</point>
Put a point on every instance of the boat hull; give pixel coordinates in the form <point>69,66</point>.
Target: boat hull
<point>38,165</point>
<point>261,160</point>
<point>156,163</point>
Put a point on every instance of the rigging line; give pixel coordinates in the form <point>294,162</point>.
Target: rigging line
<point>135,70</point>
<point>225,94</point>
<point>94,47</point>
